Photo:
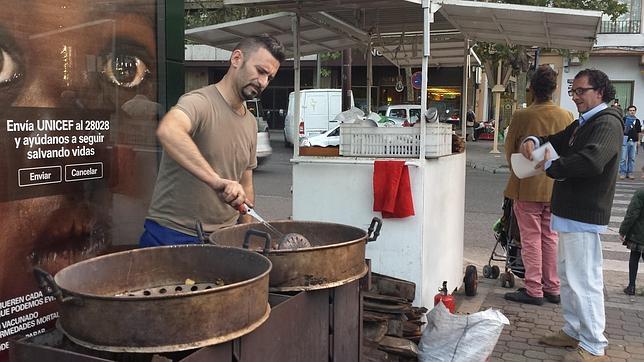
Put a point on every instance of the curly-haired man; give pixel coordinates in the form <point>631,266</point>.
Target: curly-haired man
<point>582,197</point>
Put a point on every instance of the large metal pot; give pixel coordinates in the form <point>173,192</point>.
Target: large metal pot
<point>336,255</point>
<point>161,299</point>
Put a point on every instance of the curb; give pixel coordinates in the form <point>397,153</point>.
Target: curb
<point>488,168</point>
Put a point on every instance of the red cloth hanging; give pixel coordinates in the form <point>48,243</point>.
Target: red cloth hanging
<point>392,189</point>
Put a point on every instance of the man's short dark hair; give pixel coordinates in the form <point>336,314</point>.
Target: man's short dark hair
<point>543,83</point>
<point>599,80</point>
<point>253,43</point>
<point>631,106</point>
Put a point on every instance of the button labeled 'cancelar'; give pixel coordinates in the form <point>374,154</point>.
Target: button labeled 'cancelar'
<point>83,171</point>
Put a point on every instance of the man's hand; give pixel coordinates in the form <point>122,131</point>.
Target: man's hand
<point>230,192</point>
<point>541,165</point>
<point>526,149</point>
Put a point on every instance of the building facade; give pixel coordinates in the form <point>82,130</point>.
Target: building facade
<point>619,52</point>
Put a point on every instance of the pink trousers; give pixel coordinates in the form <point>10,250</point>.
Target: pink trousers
<point>538,247</point>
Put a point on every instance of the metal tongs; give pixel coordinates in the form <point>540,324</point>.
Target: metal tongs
<point>245,209</point>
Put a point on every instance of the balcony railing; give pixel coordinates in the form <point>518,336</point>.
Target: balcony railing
<point>620,27</point>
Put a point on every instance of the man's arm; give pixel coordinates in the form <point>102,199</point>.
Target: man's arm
<point>174,135</point>
<point>247,183</point>
<point>531,142</point>
<point>591,159</point>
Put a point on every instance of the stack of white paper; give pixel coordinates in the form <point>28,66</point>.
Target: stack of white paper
<point>522,167</point>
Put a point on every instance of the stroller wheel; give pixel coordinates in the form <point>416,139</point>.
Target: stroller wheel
<point>470,280</point>
<point>495,271</point>
<point>504,280</point>
<point>507,280</point>
<point>510,280</point>
<point>487,271</point>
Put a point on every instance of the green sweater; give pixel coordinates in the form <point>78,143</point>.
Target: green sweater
<point>633,225</point>
<point>586,171</point>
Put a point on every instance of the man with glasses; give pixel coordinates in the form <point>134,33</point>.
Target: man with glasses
<point>632,129</point>
<point>585,174</point>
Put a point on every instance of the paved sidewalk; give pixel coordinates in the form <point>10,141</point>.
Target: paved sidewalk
<point>520,340</point>
<point>478,156</point>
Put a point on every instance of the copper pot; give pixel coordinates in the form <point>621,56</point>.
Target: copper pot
<point>161,299</point>
<point>336,255</point>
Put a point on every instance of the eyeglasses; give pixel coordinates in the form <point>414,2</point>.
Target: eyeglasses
<point>579,91</point>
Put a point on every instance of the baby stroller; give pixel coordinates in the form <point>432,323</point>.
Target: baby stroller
<point>506,233</point>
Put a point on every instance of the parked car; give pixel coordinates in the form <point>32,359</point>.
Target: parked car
<point>408,112</point>
<point>318,109</point>
<point>328,138</point>
<point>264,149</point>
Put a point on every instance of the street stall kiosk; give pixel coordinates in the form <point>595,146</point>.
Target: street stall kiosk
<point>426,248</point>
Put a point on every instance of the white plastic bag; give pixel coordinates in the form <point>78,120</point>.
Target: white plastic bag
<point>351,115</point>
<point>466,338</point>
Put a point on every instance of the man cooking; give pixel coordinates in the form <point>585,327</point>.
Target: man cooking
<point>209,140</point>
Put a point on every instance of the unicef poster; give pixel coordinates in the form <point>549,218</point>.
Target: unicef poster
<point>78,111</point>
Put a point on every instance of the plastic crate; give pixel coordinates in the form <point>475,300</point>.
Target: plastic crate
<point>368,141</point>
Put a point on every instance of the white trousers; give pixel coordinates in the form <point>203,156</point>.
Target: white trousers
<point>582,289</point>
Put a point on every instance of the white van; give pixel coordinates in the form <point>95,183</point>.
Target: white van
<point>318,110</point>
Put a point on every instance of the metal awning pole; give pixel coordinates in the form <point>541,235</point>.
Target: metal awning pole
<point>427,18</point>
<point>369,75</point>
<point>497,109</point>
<point>296,96</point>
<point>464,91</point>
<point>318,71</point>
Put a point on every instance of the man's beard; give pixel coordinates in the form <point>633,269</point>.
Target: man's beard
<point>249,92</point>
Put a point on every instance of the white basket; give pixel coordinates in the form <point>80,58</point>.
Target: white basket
<point>361,140</point>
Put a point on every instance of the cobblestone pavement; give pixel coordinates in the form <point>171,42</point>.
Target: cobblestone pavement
<point>520,340</point>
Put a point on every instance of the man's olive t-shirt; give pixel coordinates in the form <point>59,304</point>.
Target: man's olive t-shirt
<point>227,141</point>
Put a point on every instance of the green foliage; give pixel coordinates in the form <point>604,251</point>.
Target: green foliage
<point>325,72</point>
<point>204,13</point>
<point>330,55</point>
<point>612,8</point>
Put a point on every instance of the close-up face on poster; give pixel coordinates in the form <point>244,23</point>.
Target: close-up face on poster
<point>78,153</point>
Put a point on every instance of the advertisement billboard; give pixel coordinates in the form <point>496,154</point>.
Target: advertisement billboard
<point>78,153</point>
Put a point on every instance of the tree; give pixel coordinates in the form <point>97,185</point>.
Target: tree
<point>208,12</point>
<point>612,8</point>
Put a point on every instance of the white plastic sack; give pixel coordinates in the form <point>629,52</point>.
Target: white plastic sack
<point>351,115</point>
<point>374,117</point>
<point>466,338</point>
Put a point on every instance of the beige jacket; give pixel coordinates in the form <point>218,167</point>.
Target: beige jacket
<point>539,119</point>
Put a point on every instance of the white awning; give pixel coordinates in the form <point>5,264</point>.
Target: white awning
<point>523,25</point>
<point>319,33</point>
<point>396,25</point>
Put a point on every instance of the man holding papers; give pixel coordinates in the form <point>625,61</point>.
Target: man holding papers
<point>585,175</point>
<point>531,195</point>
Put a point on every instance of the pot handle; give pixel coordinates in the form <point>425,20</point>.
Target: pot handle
<point>49,287</point>
<point>261,234</point>
<point>372,234</point>
<point>201,235</point>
